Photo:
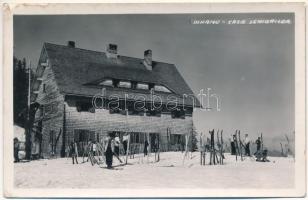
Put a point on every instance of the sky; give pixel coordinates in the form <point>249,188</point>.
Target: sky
<point>250,67</point>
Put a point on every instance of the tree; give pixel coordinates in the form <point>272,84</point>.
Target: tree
<point>20,99</point>
<point>20,90</point>
<point>194,139</point>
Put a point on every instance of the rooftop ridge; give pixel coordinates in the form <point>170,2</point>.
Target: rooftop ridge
<point>102,52</point>
<point>65,46</point>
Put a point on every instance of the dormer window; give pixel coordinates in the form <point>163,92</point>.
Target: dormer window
<point>160,88</point>
<point>118,83</point>
<point>151,86</point>
<point>134,85</point>
<point>107,82</point>
<point>125,84</point>
<point>142,86</point>
<point>115,82</point>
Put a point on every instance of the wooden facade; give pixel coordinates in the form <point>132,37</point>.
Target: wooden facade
<point>64,117</point>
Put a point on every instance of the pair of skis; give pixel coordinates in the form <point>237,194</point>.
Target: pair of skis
<point>220,143</point>
<point>238,145</point>
<point>202,150</point>
<point>213,152</point>
<point>216,155</point>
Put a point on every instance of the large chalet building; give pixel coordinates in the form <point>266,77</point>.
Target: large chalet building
<point>85,95</point>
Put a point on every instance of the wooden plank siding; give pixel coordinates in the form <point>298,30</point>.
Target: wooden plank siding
<point>52,103</point>
<point>102,122</point>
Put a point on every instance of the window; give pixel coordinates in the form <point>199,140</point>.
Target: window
<point>85,107</point>
<point>189,111</point>
<point>151,86</point>
<point>178,114</point>
<point>136,137</point>
<point>117,111</point>
<point>41,111</point>
<point>142,86</point>
<point>124,84</point>
<point>44,87</point>
<point>153,113</point>
<point>107,82</point>
<point>115,83</point>
<point>135,111</point>
<point>134,85</point>
<point>176,139</point>
<point>160,88</point>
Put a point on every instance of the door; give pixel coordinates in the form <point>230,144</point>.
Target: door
<point>154,141</point>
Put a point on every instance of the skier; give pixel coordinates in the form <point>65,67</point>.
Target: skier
<point>246,144</point>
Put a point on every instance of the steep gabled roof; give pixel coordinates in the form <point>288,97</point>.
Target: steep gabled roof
<point>75,68</point>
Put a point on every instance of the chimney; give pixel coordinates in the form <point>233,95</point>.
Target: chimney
<point>112,51</point>
<point>71,44</point>
<point>148,59</point>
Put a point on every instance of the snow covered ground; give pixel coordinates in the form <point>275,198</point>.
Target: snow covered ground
<point>169,172</point>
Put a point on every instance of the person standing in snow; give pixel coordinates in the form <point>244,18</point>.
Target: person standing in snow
<point>16,150</point>
<point>145,149</point>
<point>117,145</point>
<point>247,144</point>
<point>125,141</point>
<point>155,145</point>
<point>94,148</point>
<point>35,149</point>
<point>109,149</point>
<point>258,143</point>
<point>87,149</point>
<point>182,145</point>
<point>208,145</point>
<point>74,152</point>
<point>67,151</point>
<point>233,146</point>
